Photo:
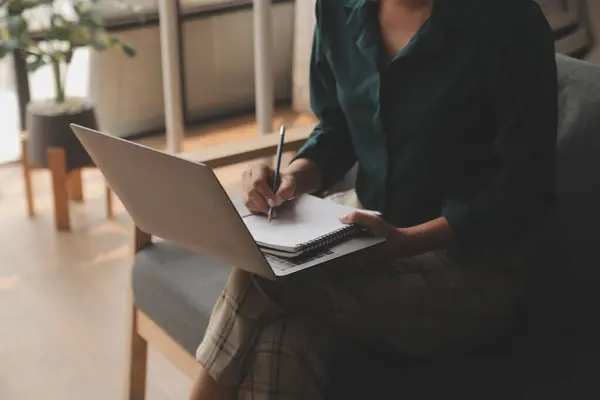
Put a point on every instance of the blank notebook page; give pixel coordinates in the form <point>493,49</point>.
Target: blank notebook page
<point>297,223</point>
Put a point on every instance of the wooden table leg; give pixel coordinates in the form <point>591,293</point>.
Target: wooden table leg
<point>76,185</point>
<point>27,177</point>
<point>109,203</point>
<point>58,168</point>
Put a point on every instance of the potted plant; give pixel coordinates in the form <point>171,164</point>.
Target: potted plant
<point>48,32</point>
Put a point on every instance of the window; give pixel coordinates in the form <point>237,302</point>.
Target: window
<point>9,121</point>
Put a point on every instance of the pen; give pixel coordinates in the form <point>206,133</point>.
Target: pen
<point>277,166</point>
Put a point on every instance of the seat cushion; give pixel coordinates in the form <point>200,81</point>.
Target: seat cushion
<point>578,155</point>
<point>177,289</point>
<point>578,180</point>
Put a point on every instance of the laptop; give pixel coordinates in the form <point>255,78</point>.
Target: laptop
<point>183,202</point>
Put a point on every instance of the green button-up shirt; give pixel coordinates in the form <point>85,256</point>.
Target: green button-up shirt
<point>462,123</point>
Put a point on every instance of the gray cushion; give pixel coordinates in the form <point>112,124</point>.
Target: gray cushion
<point>177,289</point>
<point>571,251</point>
<point>578,152</point>
<point>578,158</point>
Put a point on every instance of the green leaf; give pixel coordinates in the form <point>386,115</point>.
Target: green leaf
<point>89,14</point>
<point>58,33</point>
<point>101,41</point>
<point>86,29</point>
<point>62,56</point>
<point>16,27</point>
<point>128,50</point>
<point>81,36</point>
<point>16,7</point>
<point>59,20</point>
<point>82,6</point>
<point>68,56</point>
<point>34,62</point>
<point>7,46</point>
<point>4,33</point>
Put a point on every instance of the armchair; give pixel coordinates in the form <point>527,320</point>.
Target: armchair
<point>553,352</point>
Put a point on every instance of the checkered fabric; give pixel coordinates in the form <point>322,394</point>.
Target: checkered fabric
<point>274,340</point>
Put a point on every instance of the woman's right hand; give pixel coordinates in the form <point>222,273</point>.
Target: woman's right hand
<point>257,183</point>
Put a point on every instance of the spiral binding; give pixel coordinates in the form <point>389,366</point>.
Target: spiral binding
<point>330,239</point>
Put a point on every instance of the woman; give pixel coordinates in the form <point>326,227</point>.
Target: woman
<point>449,108</point>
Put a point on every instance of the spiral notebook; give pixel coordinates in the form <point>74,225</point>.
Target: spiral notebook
<point>302,226</point>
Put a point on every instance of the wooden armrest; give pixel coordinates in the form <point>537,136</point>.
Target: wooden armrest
<point>248,150</point>
<point>234,153</point>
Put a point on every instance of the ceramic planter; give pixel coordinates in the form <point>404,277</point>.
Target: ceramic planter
<point>48,126</point>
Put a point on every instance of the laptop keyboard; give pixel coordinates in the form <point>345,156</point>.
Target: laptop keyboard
<point>282,264</point>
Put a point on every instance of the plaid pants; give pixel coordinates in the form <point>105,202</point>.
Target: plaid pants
<point>275,340</point>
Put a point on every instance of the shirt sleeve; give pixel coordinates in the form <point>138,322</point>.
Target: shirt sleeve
<point>519,189</point>
<point>329,146</point>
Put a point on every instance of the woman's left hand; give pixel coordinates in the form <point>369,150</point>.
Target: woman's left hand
<point>405,242</point>
<point>398,242</point>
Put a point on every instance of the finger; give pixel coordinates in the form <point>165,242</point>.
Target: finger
<point>259,209</point>
<point>247,180</point>
<point>249,203</point>
<point>365,220</point>
<point>259,201</point>
<point>286,190</point>
<point>252,207</point>
<point>262,190</point>
<point>259,182</point>
<point>262,171</point>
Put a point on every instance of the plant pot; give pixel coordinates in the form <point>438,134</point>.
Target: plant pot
<point>48,126</point>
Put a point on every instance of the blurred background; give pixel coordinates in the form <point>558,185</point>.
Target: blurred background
<point>217,64</point>
<point>203,75</point>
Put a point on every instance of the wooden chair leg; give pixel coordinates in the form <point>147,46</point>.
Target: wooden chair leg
<point>76,185</point>
<point>141,239</point>
<point>109,203</point>
<point>27,177</point>
<point>58,168</point>
<point>138,361</point>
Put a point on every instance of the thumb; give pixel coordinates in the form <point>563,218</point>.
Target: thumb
<point>286,189</point>
<point>364,220</point>
<point>372,223</point>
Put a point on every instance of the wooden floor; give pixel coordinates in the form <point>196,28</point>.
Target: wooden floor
<point>63,296</point>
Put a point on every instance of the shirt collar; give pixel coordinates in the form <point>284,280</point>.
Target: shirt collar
<point>447,15</point>
<point>466,15</point>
